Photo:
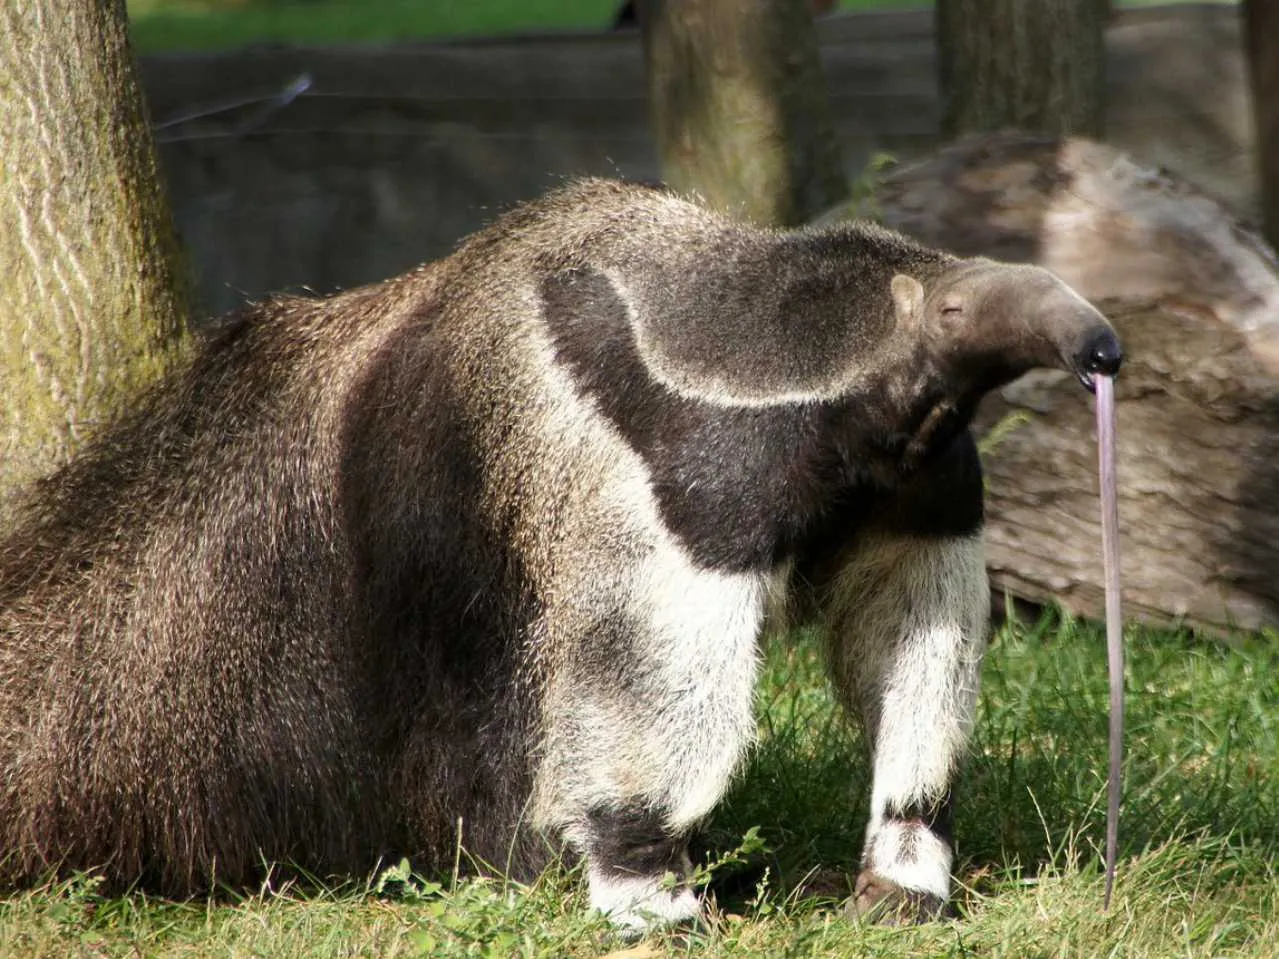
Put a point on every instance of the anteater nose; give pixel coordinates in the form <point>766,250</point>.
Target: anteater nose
<point>1103,354</point>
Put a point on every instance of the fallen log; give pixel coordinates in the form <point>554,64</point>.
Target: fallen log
<point>1195,297</point>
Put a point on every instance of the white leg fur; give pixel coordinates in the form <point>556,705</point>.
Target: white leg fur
<point>703,643</point>
<point>637,904</point>
<point>926,868</point>
<point>676,747</point>
<point>908,622</point>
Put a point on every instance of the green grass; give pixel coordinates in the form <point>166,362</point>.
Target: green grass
<point>1199,870</point>
<point>201,24</point>
<point>219,24</point>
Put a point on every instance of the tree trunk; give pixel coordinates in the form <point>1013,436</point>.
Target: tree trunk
<point>1035,65</point>
<point>92,291</point>
<point>1195,299</point>
<point>1261,38</point>
<point>739,106</point>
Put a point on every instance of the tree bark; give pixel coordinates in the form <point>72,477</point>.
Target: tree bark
<point>92,291</point>
<point>1261,39</point>
<point>1034,65</point>
<point>739,106</point>
<point>1195,299</point>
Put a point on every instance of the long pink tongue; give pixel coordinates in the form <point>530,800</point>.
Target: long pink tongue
<point>1114,622</point>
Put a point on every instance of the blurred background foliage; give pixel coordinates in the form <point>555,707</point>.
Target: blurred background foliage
<point>215,24</point>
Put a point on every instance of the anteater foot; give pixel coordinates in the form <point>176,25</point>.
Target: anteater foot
<point>639,904</point>
<point>879,900</point>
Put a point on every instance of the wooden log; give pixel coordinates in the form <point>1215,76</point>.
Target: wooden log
<point>1195,298</point>
<point>1198,423</point>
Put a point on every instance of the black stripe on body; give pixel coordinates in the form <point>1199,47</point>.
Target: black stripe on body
<point>745,487</point>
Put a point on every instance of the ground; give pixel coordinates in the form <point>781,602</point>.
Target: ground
<point>1198,873</point>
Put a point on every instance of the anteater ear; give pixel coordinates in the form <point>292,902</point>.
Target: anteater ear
<point>908,296</point>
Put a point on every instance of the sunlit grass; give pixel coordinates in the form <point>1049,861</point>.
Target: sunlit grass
<point>222,24</point>
<point>197,24</point>
<point>219,24</point>
<point>1198,874</point>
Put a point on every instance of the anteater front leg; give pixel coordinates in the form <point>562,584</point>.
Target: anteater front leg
<point>907,610</point>
<point>910,629</point>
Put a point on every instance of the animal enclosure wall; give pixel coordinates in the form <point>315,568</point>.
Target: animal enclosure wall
<point>328,168</point>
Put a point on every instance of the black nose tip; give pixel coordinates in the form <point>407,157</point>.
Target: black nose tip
<point>1103,354</point>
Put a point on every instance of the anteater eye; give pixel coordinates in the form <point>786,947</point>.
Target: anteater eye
<point>951,309</point>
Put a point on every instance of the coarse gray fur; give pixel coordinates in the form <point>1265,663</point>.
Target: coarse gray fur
<point>493,542</point>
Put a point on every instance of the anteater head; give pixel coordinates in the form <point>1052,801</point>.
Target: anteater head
<point>980,324</point>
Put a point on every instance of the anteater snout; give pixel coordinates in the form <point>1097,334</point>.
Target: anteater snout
<point>1097,354</point>
<point>1102,353</point>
